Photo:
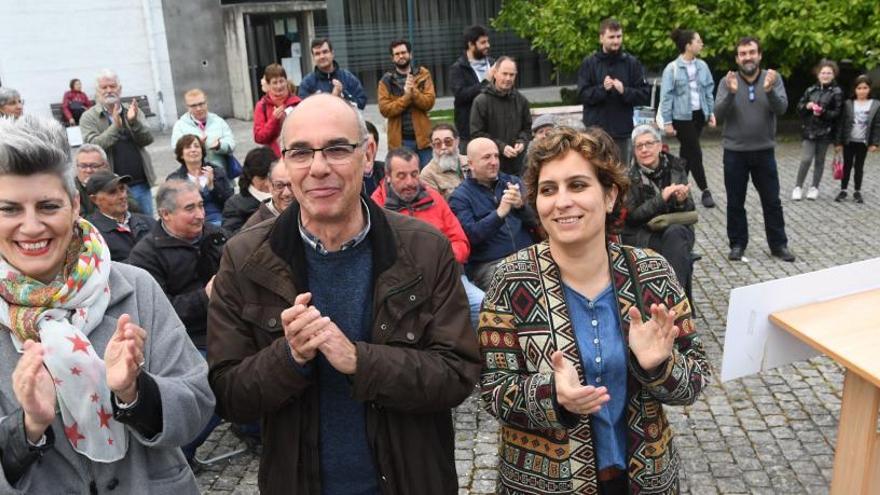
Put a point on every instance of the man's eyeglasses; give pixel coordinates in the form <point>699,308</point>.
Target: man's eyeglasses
<point>440,143</point>
<point>279,186</point>
<point>89,166</point>
<point>198,105</point>
<point>751,92</point>
<point>645,145</point>
<point>335,154</point>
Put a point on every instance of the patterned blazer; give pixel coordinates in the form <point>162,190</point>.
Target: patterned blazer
<point>524,319</point>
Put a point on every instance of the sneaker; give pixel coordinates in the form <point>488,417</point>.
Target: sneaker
<point>736,253</point>
<point>841,196</point>
<point>857,197</point>
<point>797,194</point>
<point>813,193</point>
<point>708,202</point>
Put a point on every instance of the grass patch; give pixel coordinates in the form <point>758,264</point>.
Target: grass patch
<point>448,115</point>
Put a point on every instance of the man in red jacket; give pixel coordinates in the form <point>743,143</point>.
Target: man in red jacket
<point>403,192</point>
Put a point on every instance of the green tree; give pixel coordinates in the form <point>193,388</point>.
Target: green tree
<point>794,34</point>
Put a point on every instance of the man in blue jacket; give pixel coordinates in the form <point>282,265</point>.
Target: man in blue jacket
<point>611,83</point>
<point>490,207</point>
<point>329,78</point>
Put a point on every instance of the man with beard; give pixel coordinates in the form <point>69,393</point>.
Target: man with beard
<point>502,114</point>
<point>748,101</point>
<point>124,135</point>
<point>472,72</point>
<point>611,83</point>
<point>448,168</point>
<point>405,97</point>
<point>328,77</point>
<point>403,192</point>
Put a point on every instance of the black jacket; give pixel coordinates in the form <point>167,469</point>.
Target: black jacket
<point>609,109</point>
<point>465,87</point>
<point>823,127</point>
<point>503,118</point>
<point>846,123</point>
<point>182,270</point>
<point>119,241</point>
<point>644,202</point>
<point>237,210</point>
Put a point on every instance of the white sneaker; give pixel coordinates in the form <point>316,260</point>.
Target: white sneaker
<point>797,194</point>
<point>813,193</point>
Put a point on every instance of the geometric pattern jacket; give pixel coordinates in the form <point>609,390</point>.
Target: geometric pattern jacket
<point>524,319</point>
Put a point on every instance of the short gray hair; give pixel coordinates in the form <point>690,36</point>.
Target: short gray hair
<point>166,196</point>
<point>90,148</point>
<point>646,129</point>
<point>106,74</point>
<point>34,145</point>
<point>8,94</point>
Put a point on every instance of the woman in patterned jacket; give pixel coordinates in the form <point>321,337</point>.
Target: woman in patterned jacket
<point>583,340</point>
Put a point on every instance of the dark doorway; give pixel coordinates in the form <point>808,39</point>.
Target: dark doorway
<point>270,39</point>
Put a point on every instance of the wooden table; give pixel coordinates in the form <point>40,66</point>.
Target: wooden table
<point>848,330</point>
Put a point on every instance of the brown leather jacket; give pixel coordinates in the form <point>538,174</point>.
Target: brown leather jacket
<point>422,361</point>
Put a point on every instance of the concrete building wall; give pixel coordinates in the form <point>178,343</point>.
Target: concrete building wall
<point>45,44</point>
<point>197,52</point>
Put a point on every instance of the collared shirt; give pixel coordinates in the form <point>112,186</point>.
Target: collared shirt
<point>122,226</point>
<point>316,244</point>
<point>604,360</point>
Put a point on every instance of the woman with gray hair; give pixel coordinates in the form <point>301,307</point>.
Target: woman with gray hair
<point>11,104</point>
<point>101,385</point>
<point>659,187</point>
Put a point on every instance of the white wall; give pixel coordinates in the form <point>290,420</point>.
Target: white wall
<point>45,43</point>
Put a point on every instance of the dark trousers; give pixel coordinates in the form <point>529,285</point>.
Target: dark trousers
<point>675,243</point>
<point>688,133</point>
<point>854,155</point>
<point>760,165</point>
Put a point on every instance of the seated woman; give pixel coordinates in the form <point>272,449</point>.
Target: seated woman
<point>583,340</point>
<point>11,104</point>
<point>213,183</point>
<point>101,385</point>
<point>255,188</point>
<point>75,103</point>
<point>659,185</point>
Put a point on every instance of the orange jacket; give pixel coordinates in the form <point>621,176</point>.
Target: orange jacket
<point>393,102</point>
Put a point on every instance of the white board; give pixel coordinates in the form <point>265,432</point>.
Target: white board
<point>753,344</point>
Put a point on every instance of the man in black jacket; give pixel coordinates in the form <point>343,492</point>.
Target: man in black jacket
<point>501,113</point>
<point>119,227</point>
<point>611,83</point>
<point>182,253</point>
<point>472,72</point>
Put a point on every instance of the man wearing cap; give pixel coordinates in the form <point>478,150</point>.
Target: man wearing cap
<point>119,227</point>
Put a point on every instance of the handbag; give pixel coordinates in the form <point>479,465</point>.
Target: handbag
<point>233,166</point>
<point>837,166</point>
<point>660,222</point>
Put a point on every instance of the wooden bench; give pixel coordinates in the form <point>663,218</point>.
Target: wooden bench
<point>142,101</point>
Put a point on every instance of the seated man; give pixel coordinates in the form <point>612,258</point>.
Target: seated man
<point>119,227</point>
<point>401,191</point>
<point>282,195</point>
<point>447,169</point>
<point>490,207</point>
<point>658,185</point>
<point>183,254</point>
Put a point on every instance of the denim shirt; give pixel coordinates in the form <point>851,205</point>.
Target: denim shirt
<point>675,92</point>
<point>604,359</point>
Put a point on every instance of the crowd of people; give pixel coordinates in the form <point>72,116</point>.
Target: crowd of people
<point>337,307</point>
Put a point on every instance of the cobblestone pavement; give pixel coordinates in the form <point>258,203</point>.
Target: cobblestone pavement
<point>772,433</point>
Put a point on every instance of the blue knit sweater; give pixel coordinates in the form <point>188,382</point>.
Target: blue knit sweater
<point>341,287</point>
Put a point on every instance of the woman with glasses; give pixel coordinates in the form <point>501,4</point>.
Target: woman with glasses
<point>214,186</point>
<point>254,187</point>
<point>11,104</point>
<point>687,104</point>
<point>584,340</point>
<point>659,186</point>
<point>819,109</point>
